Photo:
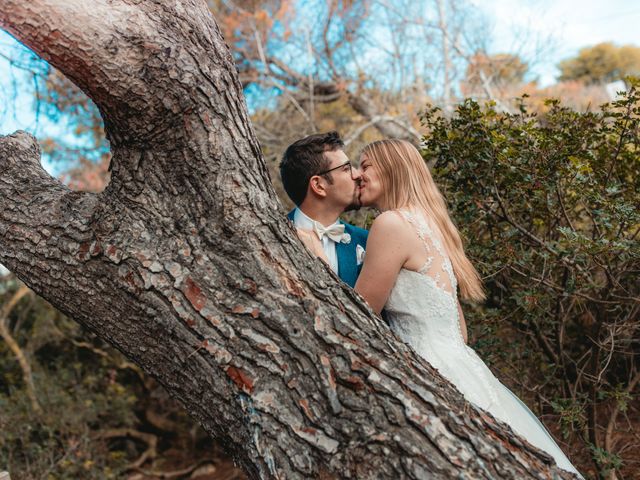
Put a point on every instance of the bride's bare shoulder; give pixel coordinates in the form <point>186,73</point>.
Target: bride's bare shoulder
<point>388,219</point>
<point>390,222</point>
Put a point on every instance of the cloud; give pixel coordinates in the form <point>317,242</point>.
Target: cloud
<point>565,26</point>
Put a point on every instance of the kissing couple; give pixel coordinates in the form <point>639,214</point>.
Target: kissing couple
<point>415,265</point>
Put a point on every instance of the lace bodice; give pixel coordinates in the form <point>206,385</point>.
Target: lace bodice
<point>437,266</point>
<point>424,302</point>
<point>422,309</point>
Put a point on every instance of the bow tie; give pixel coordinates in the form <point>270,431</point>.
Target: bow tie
<point>335,232</point>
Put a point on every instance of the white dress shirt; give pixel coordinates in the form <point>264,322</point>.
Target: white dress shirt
<point>300,220</point>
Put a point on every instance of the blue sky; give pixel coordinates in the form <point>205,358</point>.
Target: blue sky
<point>563,26</point>
<point>17,106</point>
<point>567,25</point>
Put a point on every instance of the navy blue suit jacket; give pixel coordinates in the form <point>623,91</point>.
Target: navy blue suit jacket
<point>348,268</point>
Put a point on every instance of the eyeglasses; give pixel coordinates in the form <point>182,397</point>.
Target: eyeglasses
<point>348,162</point>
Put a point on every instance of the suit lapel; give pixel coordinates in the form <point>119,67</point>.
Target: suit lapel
<point>346,253</point>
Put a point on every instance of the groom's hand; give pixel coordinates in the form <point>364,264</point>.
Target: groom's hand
<point>313,243</point>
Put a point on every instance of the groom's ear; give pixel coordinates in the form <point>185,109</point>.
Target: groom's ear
<point>317,186</point>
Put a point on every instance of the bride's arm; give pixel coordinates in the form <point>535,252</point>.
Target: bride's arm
<point>386,254</point>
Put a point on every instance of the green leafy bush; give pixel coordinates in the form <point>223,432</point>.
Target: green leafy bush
<point>75,391</point>
<point>97,415</point>
<point>550,210</point>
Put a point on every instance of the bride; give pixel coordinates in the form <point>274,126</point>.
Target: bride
<point>413,268</point>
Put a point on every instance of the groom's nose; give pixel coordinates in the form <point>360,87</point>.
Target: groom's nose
<point>356,173</point>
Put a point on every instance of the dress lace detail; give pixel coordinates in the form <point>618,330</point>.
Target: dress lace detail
<point>422,309</point>
<point>432,246</point>
<point>438,263</point>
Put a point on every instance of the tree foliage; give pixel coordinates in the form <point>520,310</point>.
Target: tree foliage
<point>551,206</point>
<point>99,416</point>
<point>494,71</point>
<point>321,52</point>
<point>602,63</point>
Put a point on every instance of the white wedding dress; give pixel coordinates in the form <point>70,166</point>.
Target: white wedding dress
<point>422,310</point>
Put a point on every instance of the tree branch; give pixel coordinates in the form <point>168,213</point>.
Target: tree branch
<point>15,348</point>
<point>148,438</point>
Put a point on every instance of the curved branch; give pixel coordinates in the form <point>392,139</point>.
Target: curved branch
<point>389,127</point>
<point>609,435</point>
<point>15,348</point>
<point>154,85</point>
<point>149,439</point>
<point>33,205</point>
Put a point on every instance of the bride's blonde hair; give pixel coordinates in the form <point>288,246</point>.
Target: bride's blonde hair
<point>406,182</point>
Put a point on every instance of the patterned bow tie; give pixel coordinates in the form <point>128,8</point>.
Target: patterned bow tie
<point>335,232</point>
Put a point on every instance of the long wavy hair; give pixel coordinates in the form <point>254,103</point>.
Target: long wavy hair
<point>406,183</point>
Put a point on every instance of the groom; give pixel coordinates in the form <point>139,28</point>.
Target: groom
<point>320,180</point>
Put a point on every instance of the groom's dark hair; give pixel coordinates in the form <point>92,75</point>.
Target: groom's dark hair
<point>305,158</point>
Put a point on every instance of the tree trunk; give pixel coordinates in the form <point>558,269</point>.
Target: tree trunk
<point>446,58</point>
<point>187,265</point>
<point>393,128</point>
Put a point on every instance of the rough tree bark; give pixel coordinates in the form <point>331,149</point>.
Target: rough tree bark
<point>186,264</point>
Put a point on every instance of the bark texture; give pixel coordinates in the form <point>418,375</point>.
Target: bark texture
<point>187,265</point>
